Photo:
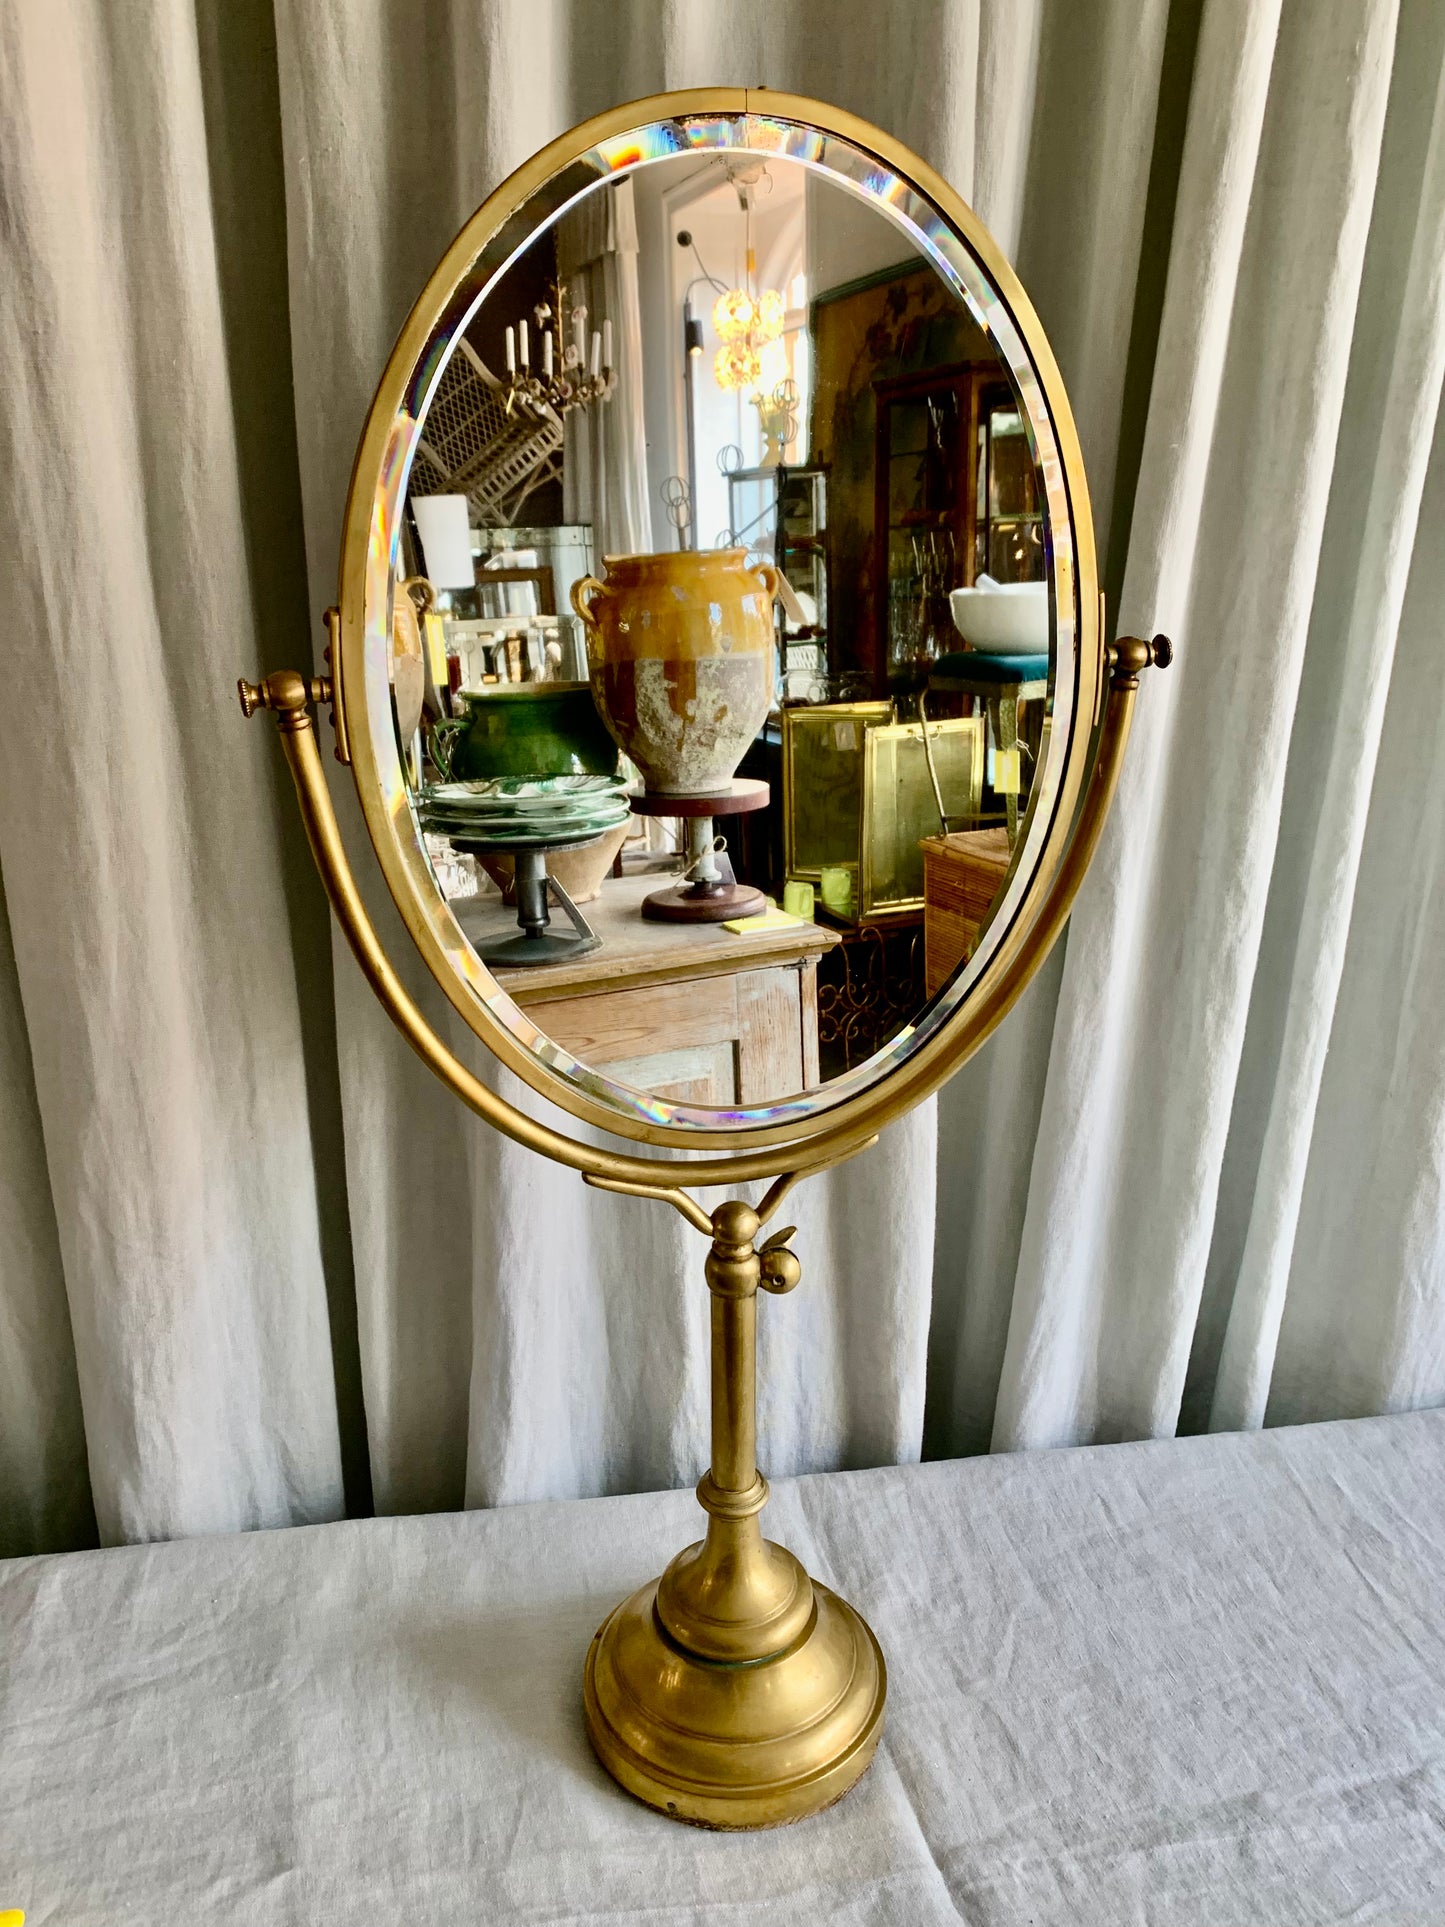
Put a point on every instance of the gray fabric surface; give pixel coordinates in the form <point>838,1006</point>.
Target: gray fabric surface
<point>1192,1682</point>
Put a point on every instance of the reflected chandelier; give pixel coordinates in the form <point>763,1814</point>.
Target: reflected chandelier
<point>745,327</point>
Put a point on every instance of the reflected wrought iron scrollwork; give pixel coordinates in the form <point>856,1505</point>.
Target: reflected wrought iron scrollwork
<point>869,987</point>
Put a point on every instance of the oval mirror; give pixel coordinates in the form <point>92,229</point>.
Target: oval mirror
<point>719,623</point>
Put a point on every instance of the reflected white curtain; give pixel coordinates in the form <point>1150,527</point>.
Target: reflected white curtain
<point>605,478</point>
<point>258,1267</point>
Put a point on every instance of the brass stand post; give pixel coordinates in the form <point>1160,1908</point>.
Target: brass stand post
<point>735,1691</point>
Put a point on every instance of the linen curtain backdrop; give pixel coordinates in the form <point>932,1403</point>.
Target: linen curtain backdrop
<point>258,1268</point>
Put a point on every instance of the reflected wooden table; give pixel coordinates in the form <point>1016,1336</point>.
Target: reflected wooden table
<point>690,1011</point>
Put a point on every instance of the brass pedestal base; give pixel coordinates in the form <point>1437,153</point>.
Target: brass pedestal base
<point>733,1691</point>
<point>755,1744</point>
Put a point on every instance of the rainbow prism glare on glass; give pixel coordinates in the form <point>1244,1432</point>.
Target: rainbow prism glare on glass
<point>866,176</point>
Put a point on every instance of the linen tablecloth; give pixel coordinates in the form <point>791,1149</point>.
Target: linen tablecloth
<point>1199,1681</point>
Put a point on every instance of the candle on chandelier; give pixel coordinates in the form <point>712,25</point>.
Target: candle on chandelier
<point>547,354</point>
<point>511,351</point>
<point>579,329</point>
<point>606,344</point>
<point>596,354</point>
<point>522,333</point>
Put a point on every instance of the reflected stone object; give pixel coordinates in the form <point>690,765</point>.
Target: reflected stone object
<point>680,651</point>
<point>734,1691</point>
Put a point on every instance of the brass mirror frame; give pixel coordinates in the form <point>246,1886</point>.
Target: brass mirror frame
<point>827,1130</point>
<point>735,1691</point>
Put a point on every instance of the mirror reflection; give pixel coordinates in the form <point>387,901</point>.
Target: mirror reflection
<point>721,662</point>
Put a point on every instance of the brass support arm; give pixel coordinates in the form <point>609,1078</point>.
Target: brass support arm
<point>287,693</point>
<point>1127,658</point>
<point>281,692</point>
<point>736,1598</point>
<point>674,1194</point>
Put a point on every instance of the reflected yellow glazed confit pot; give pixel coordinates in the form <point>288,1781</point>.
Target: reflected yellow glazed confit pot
<point>680,650</point>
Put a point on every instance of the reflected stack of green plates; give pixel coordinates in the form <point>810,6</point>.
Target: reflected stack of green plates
<point>536,810</point>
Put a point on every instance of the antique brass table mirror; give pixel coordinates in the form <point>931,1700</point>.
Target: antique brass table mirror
<point>840,280</point>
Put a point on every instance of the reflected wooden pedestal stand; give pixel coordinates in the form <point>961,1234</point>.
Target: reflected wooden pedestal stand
<point>735,1691</point>
<point>709,892</point>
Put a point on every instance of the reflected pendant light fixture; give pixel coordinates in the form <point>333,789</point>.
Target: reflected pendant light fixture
<point>745,324</point>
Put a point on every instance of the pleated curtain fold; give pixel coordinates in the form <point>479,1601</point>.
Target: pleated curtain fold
<point>258,1268</point>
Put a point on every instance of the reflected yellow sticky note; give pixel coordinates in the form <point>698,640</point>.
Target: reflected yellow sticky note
<point>765,920</point>
<point>1006,772</point>
<point>436,655</point>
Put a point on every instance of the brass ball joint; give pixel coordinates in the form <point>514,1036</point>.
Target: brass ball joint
<point>735,1691</point>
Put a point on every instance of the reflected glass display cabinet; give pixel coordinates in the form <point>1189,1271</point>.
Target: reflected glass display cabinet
<point>944,517</point>
<point>782,512</point>
<point>1008,518</point>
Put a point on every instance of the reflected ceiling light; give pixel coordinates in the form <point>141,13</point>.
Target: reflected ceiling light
<point>733,314</point>
<point>746,323</point>
<point>737,364</point>
<point>746,328</point>
<point>771,314</point>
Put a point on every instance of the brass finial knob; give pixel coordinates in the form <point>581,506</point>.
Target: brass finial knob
<point>1131,654</point>
<point>284,690</point>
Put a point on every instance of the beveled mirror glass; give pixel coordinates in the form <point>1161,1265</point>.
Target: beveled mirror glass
<point>720,571</point>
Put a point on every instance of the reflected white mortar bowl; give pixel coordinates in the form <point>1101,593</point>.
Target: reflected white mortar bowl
<point>1010,619</point>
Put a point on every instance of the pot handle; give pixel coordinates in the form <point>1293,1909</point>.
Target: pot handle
<point>582,595</point>
<point>419,588</point>
<point>439,746</point>
<point>781,590</point>
<point>770,577</point>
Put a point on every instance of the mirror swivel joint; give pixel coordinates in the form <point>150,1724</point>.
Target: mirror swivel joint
<point>1129,655</point>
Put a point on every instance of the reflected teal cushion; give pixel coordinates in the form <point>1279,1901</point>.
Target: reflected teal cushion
<point>971,665</point>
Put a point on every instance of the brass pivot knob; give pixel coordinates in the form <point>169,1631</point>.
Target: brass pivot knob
<point>285,691</point>
<point>780,1268</point>
<point>1130,654</point>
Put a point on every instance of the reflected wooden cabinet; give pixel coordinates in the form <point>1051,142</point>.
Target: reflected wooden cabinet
<point>691,1012</point>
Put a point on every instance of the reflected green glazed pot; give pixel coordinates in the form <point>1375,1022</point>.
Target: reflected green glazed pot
<point>524,729</point>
